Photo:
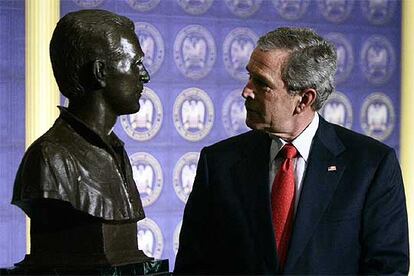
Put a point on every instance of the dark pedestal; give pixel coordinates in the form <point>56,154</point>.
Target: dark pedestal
<point>66,241</point>
<point>153,267</point>
<point>64,237</point>
<point>96,243</point>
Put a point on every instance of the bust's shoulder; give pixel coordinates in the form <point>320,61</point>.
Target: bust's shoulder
<point>56,141</point>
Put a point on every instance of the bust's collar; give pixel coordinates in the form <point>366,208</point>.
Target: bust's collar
<point>86,132</point>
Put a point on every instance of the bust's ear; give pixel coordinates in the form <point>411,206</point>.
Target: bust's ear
<point>99,72</point>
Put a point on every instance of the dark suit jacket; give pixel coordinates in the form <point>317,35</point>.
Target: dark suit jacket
<point>352,220</point>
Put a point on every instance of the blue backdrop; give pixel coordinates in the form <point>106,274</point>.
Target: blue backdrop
<point>196,52</point>
<point>12,138</point>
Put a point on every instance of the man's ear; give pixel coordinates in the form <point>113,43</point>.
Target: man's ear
<point>307,99</point>
<point>99,72</point>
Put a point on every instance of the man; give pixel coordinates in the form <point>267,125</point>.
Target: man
<point>296,195</point>
<point>75,182</point>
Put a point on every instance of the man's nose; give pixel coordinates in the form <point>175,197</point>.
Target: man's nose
<point>144,76</point>
<point>248,90</point>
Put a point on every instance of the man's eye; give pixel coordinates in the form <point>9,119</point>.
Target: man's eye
<point>258,82</point>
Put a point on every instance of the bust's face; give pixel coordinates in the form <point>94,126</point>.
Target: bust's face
<point>126,76</point>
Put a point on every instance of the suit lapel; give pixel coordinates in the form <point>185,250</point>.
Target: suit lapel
<point>323,172</point>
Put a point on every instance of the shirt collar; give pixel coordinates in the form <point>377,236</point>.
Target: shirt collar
<point>302,143</point>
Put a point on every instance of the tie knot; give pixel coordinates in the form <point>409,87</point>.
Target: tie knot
<point>289,151</point>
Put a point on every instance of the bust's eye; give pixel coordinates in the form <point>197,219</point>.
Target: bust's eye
<point>139,64</point>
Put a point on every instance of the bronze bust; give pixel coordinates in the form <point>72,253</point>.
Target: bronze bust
<point>75,182</point>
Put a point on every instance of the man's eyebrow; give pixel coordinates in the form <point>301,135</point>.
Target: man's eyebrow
<point>258,75</point>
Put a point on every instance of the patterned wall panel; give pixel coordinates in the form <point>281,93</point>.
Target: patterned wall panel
<point>12,135</point>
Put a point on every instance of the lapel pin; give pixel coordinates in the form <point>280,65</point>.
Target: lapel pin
<point>331,168</point>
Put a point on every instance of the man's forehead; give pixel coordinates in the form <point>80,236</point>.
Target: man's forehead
<point>266,60</point>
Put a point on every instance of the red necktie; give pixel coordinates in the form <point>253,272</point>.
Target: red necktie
<point>283,202</point>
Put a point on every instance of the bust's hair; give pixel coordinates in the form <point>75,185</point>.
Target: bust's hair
<point>78,40</point>
<point>310,64</point>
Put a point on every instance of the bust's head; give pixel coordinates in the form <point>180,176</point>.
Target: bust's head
<point>97,49</point>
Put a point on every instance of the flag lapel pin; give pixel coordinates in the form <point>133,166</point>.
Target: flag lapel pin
<point>331,168</point>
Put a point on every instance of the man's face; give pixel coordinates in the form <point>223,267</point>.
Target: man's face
<point>269,105</point>
<point>126,76</point>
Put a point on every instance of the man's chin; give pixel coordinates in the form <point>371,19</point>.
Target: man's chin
<point>252,124</point>
<point>257,124</point>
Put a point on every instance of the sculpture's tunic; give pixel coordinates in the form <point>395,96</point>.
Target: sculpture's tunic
<point>71,162</point>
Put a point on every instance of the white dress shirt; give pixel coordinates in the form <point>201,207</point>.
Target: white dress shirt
<point>303,145</point>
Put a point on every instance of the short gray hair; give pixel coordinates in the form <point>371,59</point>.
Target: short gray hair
<point>311,63</point>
